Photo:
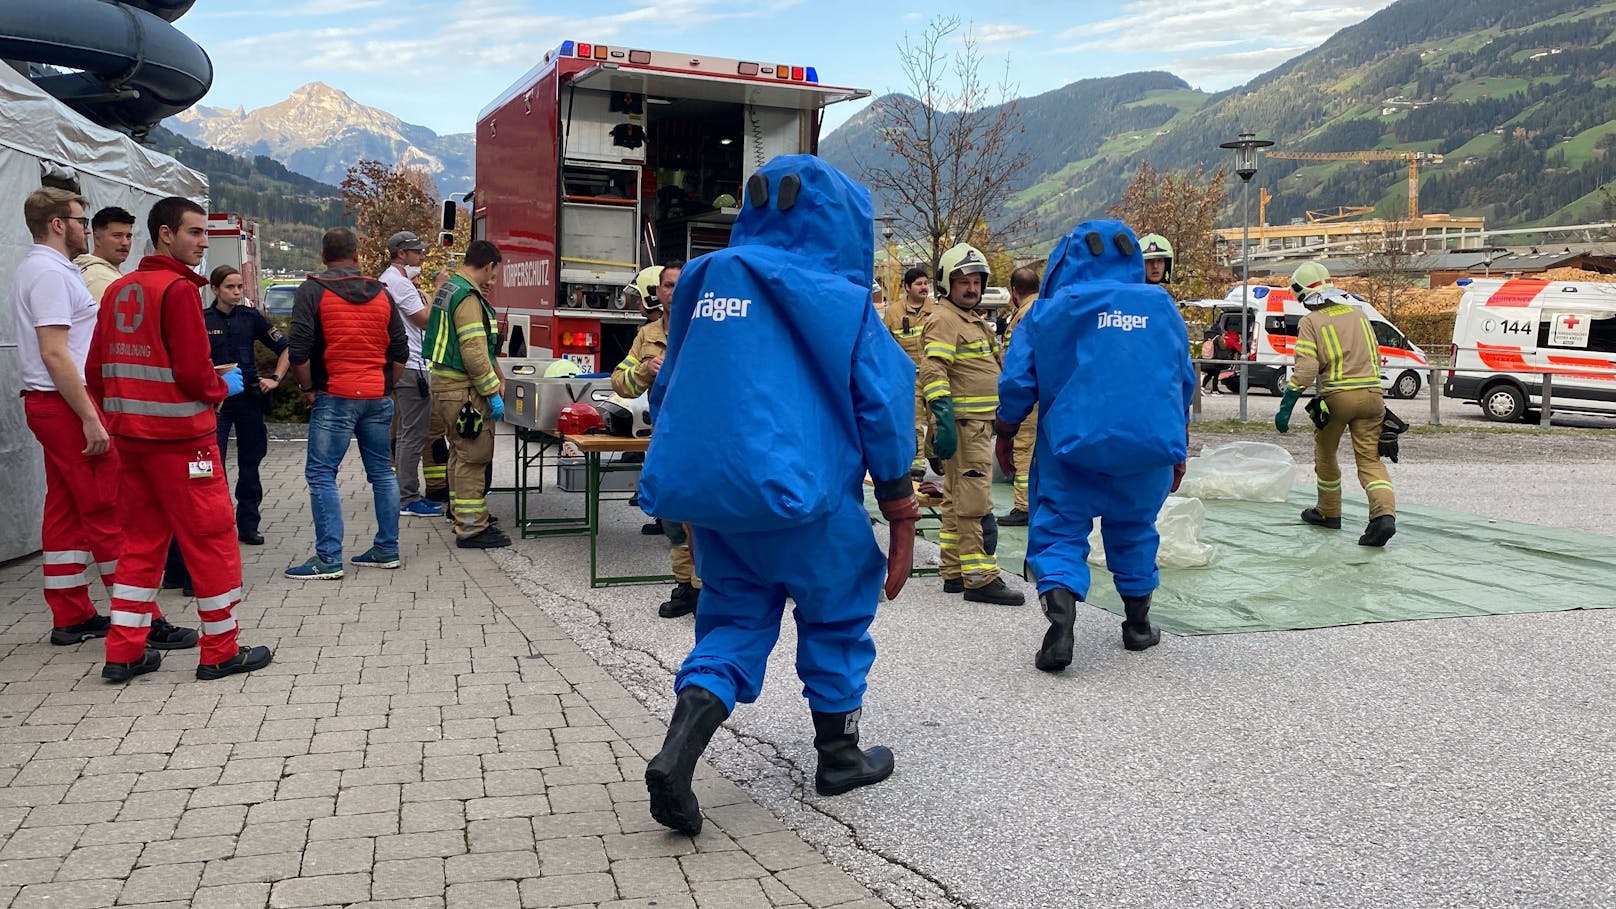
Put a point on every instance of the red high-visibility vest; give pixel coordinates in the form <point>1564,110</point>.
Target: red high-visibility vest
<point>140,398</point>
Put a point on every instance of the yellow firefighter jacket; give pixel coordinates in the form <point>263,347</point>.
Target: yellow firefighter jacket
<point>1336,346</point>
<point>962,362</point>
<point>906,324</point>
<point>633,376</point>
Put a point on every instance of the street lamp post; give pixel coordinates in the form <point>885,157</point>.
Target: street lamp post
<point>1245,164</point>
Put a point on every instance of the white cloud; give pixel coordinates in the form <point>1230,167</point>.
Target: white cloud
<point>913,17</point>
<point>998,33</point>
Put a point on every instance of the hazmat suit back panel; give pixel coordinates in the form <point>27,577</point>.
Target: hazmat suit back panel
<point>781,386</point>
<point>1096,355</point>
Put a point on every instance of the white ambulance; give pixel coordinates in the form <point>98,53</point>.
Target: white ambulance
<point>1510,332</point>
<point>1275,316</point>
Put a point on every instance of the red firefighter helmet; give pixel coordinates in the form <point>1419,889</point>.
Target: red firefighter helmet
<point>578,418</point>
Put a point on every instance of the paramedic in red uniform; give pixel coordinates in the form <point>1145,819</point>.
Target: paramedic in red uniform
<point>150,370</point>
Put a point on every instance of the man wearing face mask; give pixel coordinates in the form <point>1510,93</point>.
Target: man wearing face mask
<point>412,395</point>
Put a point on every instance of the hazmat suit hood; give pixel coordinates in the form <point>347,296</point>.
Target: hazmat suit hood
<point>1074,260</point>
<point>800,203</point>
<point>781,387</point>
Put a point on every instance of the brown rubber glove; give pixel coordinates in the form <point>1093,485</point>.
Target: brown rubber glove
<point>901,515</point>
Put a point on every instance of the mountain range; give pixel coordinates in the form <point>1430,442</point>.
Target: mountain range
<point>320,132</point>
<point>1519,98</point>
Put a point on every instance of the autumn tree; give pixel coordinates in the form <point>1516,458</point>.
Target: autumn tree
<point>384,200</point>
<point>946,150</point>
<point>1391,264</point>
<point>1182,207</point>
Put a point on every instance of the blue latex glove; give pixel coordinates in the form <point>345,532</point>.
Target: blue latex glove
<point>234,381</point>
<point>1282,420</point>
<point>496,407</point>
<point>945,439</point>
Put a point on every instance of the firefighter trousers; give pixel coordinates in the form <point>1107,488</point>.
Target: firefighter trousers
<point>684,567</point>
<point>435,457</point>
<point>175,490</point>
<point>1025,440</point>
<point>967,498</point>
<point>469,460</point>
<point>1360,414</point>
<point>80,522</point>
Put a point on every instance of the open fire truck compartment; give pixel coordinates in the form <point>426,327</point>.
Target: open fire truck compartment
<point>603,160</point>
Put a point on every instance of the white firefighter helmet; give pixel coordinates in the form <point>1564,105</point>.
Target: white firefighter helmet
<point>627,416</point>
<point>1309,283</point>
<point>962,259</point>
<point>646,283</point>
<point>1156,246</point>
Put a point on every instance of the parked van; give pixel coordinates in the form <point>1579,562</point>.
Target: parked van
<point>1275,316</point>
<point>1509,332</point>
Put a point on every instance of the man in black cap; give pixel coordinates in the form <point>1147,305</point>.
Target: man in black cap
<point>412,395</point>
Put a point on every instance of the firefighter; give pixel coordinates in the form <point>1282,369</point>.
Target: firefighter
<point>1158,259</point>
<point>1023,294</point>
<point>1336,346</point>
<point>149,366</point>
<point>782,513</point>
<point>1105,448</point>
<point>633,377</point>
<point>462,342</point>
<point>959,377</point>
<point>906,320</point>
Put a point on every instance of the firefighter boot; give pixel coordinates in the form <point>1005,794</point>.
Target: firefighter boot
<point>843,767</point>
<point>1060,607</point>
<point>1379,531</point>
<point>1137,632</point>
<point>681,602</point>
<point>994,591</point>
<point>1016,518</point>
<point>696,716</point>
<point>1317,519</point>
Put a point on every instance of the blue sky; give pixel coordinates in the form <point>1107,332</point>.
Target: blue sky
<point>437,62</point>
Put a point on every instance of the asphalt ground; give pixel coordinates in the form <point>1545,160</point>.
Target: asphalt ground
<point>1455,762</point>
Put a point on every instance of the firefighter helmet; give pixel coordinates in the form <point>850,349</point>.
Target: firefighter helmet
<point>578,418</point>
<point>629,417</point>
<point>1310,280</point>
<point>561,369</point>
<point>963,259</point>
<point>646,283</point>
<point>1156,246</point>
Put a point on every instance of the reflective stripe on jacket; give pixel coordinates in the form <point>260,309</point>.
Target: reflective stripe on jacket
<point>1336,347</point>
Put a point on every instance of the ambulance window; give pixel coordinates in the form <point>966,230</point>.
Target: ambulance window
<point>1387,336</point>
<point>1601,332</point>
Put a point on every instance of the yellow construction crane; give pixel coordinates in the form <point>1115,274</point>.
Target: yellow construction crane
<point>1341,213</point>
<point>1414,159</point>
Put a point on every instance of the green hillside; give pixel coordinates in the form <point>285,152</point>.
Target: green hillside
<point>1519,97</point>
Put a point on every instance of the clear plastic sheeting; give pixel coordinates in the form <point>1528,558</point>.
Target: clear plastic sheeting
<point>1248,471</point>
<point>1179,522</point>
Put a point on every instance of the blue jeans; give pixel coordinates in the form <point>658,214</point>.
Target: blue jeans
<point>332,424</point>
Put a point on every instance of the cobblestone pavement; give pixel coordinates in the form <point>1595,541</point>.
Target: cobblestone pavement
<point>427,737</point>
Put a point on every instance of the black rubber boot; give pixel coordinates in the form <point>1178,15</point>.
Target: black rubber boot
<point>953,585</point>
<point>1060,607</point>
<point>1379,531</point>
<point>696,716</point>
<point>1016,518</point>
<point>1317,519</point>
<point>843,767</point>
<point>681,602</point>
<point>994,591</point>
<point>1137,632</point>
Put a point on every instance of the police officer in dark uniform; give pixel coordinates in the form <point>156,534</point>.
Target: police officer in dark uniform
<point>233,329</point>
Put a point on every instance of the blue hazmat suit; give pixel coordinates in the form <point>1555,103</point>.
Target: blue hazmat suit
<point>780,389</point>
<point>1105,357</point>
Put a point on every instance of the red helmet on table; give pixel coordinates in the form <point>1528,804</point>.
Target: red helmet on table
<point>578,418</point>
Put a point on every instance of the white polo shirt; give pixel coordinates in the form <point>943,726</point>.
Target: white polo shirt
<point>409,301</point>
<point>47,289</point>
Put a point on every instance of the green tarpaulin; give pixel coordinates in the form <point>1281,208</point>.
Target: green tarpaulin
<point>1270,571</point>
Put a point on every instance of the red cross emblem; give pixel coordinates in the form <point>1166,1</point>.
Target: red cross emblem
<point>1572,321</point>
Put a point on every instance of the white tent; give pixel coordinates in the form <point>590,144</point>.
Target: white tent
<point>38,136</point>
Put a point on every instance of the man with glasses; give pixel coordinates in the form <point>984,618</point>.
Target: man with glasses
<point>80,520</point>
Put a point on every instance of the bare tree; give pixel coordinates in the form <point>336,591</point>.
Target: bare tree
<point>1392,264</point>
<point>1183,208</point>
<point>950,143</point>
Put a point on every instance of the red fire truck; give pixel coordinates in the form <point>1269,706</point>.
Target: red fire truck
<point>605,159</point>
<point>233,240</point>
